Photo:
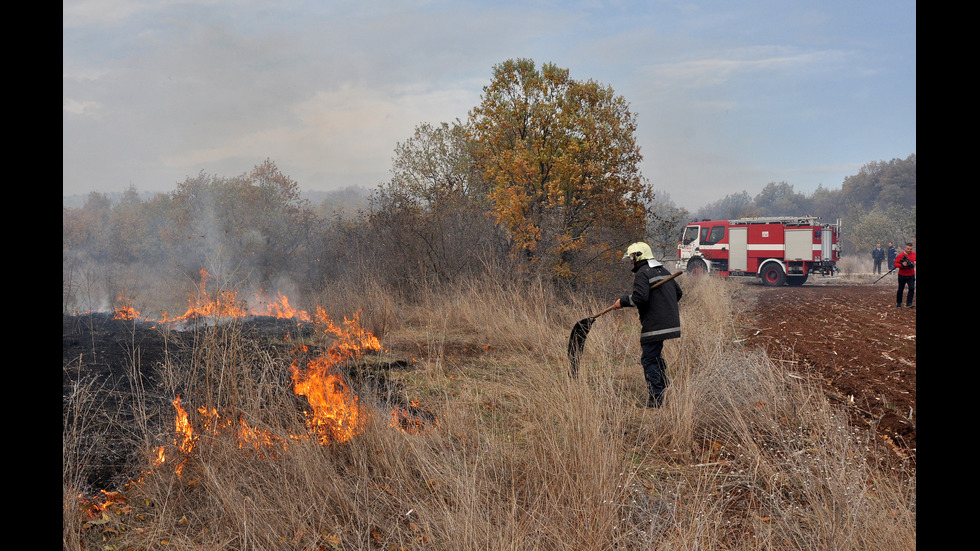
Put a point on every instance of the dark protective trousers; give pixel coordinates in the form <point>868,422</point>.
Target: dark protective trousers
<point>654,371</point>
<point>902,282</point>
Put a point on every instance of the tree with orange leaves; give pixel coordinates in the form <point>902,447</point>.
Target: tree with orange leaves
<point>562,164</point>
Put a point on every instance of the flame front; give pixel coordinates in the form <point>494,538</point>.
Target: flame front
<point>336,415</point>
<point>279,308</point>
<point>224,304</point>
<point>219,304</point>
<point>125,310</point>
<point>185,438</point>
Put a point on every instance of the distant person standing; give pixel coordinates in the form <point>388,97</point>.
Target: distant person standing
<point>892,253</point>
<point>905,262</point>
<point>878,255</point>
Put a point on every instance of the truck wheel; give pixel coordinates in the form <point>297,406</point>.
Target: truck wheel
<point>697,267</point>
<point>773,275</point>
<point>796,281</point>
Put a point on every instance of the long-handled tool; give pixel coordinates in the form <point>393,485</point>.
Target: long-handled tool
<point>576,341</point>
<point>883,277</point>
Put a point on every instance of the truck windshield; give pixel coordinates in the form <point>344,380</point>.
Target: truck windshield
<point>690,234</point>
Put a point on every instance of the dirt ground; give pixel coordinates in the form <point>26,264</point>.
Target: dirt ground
<point>850,335</point>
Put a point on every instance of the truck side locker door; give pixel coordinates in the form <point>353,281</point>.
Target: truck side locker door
<point>799,244</point>
<point>738,251</point>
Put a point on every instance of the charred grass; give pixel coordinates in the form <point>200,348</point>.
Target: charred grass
<point>511,453</point>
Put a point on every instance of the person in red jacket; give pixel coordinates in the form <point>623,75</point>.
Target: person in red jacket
<point>905,262</point>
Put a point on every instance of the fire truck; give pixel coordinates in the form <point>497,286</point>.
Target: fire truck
<point>778,250</point>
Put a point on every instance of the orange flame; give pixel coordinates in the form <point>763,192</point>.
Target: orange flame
<point>223,305</point>
<point>220,304</point>
<point>351,340</point>
<point>94,506</point>
<point>279,308</point>
<point>185,438</point>
<point>336,415</point>
<point>256,439</point>
<point>125,310</point>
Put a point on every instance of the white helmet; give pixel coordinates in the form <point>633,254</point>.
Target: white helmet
<point>638,251</point>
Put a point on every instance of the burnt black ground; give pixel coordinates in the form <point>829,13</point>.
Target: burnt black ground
<point>115,366</point>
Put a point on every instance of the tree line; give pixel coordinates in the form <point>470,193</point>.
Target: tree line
<point>541,180</point>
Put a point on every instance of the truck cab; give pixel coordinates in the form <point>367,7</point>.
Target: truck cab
<point>703,247</point>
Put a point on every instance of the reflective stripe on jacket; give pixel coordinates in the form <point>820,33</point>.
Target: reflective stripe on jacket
<point>659,315</point>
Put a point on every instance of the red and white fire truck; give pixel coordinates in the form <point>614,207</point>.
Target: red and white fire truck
<point>779,250</point>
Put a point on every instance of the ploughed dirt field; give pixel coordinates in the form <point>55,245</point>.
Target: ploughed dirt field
<point>850,336</point>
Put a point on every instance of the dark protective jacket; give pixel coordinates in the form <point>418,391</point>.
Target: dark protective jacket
<point>659,315</point>
<point>878,253</point>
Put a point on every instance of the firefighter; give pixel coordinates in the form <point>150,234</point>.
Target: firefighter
<point>659,316</point>
<point>878,255</point>
<point>892,253</point>
<point>905,262</point>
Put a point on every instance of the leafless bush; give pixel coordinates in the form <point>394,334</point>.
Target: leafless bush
<point>851,265</point>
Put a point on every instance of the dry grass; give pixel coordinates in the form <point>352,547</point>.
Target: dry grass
<point>523,457</point>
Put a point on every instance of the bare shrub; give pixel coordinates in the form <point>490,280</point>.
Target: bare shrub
<point>851,265</point>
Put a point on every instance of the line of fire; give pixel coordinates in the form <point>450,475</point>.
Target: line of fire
<point>334,417</point>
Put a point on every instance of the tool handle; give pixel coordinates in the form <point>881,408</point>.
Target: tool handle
<point>613,307</point>
<point>654,286</point>
<point>665,280</point>
<point>883,277</point>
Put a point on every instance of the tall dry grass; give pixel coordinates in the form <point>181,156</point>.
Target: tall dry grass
<point>743,456</point>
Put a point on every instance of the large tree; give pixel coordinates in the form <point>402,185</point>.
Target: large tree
<point>562,164</point>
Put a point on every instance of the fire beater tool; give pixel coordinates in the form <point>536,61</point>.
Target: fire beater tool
<point>883,277</point>
<point>576,341</point>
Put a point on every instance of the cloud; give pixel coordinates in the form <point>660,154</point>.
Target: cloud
<point>744,63</point>
<point>349,132</point>
<point>726,94</point>
<point>77,107</point>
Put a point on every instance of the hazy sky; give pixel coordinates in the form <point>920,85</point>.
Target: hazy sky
<point>729,96</point>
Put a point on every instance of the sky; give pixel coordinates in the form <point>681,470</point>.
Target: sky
<point>728,96</point>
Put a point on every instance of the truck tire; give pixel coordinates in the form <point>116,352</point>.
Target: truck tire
<point>696,267</point>
<point>773,275</point>
<point>796,280</point>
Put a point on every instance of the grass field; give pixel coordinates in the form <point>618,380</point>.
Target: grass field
<point>517,455</point>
